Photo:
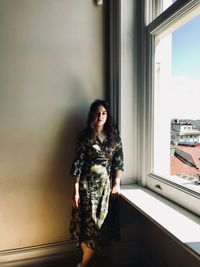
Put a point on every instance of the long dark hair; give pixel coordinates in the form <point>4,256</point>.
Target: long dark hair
<point>109,129</point>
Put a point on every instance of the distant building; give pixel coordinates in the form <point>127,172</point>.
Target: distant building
<point>183,133</point>
<point>185,149</point>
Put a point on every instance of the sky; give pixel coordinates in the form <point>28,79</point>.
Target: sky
<point>179,85</point>
<point>186,50</point>
<point>184,89</point>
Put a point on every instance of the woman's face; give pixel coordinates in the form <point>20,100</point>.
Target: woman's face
<point>100,116</point>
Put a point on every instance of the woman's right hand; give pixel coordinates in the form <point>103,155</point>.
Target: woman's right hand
<point>75,201</point>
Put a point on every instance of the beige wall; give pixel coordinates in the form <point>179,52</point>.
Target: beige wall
<point>51,68</point>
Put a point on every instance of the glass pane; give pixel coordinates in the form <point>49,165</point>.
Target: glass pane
<point>177,103</point>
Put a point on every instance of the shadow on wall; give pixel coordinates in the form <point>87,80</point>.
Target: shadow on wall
<point>59,178</point>
<point>64,112</point>
<point>57,190</point>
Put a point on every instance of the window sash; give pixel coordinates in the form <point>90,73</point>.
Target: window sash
<point>166,21</point>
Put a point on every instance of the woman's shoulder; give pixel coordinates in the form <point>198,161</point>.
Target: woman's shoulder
<point>116,136</point>
<point>116,133</point>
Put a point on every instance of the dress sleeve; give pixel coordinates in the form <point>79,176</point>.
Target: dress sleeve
<point>118,159</point>
<point>79,159</point>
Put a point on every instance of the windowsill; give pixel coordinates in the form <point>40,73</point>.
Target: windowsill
<point>181,181</point>
<point>177,222</point>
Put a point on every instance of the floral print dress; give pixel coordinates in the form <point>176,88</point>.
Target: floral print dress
<point>95,221</point>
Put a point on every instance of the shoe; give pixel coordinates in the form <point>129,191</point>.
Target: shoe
<point>78,265</point>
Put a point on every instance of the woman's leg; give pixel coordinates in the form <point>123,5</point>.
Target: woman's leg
<point>83,246</point>
<point>87,255</point>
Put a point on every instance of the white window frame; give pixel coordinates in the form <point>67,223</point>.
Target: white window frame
<point>169,189</point>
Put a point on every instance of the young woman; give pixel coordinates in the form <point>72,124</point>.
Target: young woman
<point>96,172</point>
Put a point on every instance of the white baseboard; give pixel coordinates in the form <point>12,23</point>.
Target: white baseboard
<point>39,254</point>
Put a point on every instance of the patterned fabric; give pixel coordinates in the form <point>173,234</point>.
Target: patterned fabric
<point>95,222</point>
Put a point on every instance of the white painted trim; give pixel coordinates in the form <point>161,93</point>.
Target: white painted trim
<point>142,92</point>
<point>171,15</point>
<point>115,74</point>
<point>128,106</point>
<point>38,254</point>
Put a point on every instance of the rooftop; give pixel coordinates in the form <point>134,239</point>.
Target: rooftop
<point>178,166</point>
<point>194,152</point>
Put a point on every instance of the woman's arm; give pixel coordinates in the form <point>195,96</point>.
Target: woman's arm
<point>75,191</point>
<point>116,184</point>
<point>118,167</point>
<point>76,170</point>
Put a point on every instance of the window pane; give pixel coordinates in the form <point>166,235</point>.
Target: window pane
<point>177,108</point>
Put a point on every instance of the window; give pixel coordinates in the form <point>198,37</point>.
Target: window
<point>156,7</point>
<point>173,93</point>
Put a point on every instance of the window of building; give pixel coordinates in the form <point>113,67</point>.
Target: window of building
<point>173,94</point>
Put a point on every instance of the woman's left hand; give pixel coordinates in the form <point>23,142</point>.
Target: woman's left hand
<point>115,191</point>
